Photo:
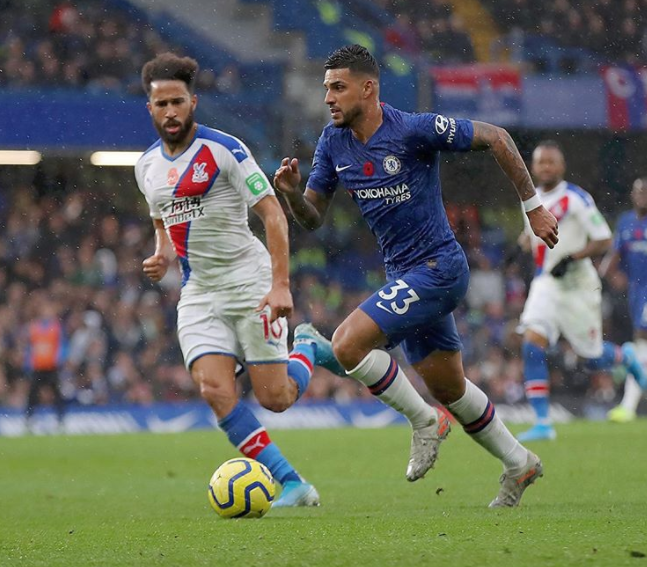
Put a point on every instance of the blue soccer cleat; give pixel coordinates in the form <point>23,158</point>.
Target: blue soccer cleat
<point>630,360</point>
<point>306,333</point>
<point>297,494</point>
<point>539,432</point>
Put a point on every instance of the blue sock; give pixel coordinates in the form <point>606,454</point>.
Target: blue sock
<point>535,370</point>
<point>301,365</point>
<point>247,434</point>
<point>611,356</point>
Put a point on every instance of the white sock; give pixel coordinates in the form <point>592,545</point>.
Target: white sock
<point>633,391</point>
<point>477,416</point>
<point>386,381</point>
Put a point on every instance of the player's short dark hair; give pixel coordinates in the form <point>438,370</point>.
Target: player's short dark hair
<point>354,57</point>
<point>170,67</point>
<point>551,144</point>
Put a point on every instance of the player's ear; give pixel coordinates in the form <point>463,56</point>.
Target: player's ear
<point>370,87</point>
<point>194,101</point>
<point>150,108</point>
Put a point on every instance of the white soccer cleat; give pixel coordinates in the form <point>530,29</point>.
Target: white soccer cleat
<point>515,482</point>
<point>424,446</point>
<point>297,494</point>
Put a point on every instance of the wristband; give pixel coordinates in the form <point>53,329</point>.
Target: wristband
<point>532,203</point>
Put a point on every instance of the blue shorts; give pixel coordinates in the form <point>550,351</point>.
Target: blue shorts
<point>416,311</point>
<point>638,306</point>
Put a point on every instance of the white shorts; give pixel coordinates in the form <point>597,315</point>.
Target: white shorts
<point>217,322</point>
<point>574,312</point>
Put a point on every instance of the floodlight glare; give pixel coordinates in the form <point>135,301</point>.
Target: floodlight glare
<point>110,159</point>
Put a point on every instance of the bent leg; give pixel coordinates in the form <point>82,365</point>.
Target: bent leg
<point>215,376</point>
<point>355,344</point>
<point>443,374</point>
<point>273,388</point>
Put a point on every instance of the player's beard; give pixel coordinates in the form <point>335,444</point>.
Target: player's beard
<point>180,136</point>
<point>349,117</point>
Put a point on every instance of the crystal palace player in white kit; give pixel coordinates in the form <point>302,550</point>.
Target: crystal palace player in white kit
<point>199,184</point>
<point>565,295</point>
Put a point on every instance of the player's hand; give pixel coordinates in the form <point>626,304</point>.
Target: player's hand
<point>279,300</point>
<point>287,177</point>
<point>156,266</point>
<point>544,225</point>
<point>560,269</point>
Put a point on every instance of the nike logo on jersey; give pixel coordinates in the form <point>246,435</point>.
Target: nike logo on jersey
<point>339,168</point>
<point>379,304</point>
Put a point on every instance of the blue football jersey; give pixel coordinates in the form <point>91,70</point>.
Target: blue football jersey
<point>394,179</point>
<point>631,243</point>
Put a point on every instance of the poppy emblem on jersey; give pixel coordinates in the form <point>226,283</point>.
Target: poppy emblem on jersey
<point>391,165</point>
<point>369,169</point>
<point>199,173</point>
<point>173,176</point>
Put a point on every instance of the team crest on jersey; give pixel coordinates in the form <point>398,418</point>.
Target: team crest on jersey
<point>391,165</point>
<point>173,176</point>
<point>199,173</point>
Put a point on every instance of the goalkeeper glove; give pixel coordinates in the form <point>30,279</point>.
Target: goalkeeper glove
<point>561,267</point>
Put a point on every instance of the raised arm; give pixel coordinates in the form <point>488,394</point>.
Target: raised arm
<point>156,266</point>
<point>502,146</point>
<point>279,297</point>
<point>309,208</point>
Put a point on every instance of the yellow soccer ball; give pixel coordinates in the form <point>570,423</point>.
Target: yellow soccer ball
<point>241,488</point>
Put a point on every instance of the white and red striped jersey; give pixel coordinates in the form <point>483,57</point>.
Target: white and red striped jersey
<point>202,196</point>
<point>579,221</point>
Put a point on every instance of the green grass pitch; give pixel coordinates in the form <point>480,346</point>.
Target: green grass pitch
<point>141,500</point>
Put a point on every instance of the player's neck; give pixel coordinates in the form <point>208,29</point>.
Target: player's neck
<point>368,124</point>
<point>551,186</point>
<point>177,148</point>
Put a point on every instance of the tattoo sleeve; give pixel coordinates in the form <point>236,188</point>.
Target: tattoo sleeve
<point>502,146</point>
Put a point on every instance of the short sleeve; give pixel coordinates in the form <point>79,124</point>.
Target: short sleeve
<point>246,176</point>
<point>323,177</point>
<point>438,132</point>
<point>591,219</point>
<point>140,175</point>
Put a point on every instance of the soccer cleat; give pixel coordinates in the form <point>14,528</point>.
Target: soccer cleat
<point>424,446</point>
<point>297,494</point>
<point>539,432</point>
<point>630,360</point>
<point>621,414</point>
<point>306,333</point>
<point>514,483</point>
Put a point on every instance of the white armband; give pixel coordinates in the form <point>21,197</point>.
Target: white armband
<point>532,203</point>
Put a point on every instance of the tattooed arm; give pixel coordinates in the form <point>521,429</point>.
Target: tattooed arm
<point>502,146</point>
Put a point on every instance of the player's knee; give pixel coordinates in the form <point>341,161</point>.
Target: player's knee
<point>216,394</point>
<point>345,349</point>
<point>276,402</point>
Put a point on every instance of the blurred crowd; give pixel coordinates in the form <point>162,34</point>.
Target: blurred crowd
<point>78,252</point>
<point>614,29</point>
<point>66,44</point>
<point>428,30</point>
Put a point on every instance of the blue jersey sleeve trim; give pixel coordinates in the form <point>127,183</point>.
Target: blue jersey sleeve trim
<point>585,196</point>
<point>233,144</point>
<point>151,148</point>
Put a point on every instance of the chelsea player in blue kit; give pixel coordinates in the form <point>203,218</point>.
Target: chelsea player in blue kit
<point>388,161</point>
<point>630,255</point>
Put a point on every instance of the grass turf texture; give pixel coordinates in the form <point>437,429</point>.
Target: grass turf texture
<point>141,500</point>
